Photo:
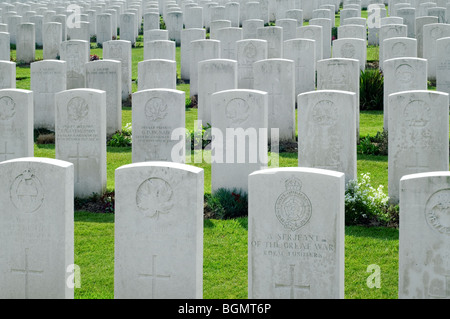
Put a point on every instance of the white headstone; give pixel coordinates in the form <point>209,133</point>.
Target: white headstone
<point>213,76</point>
<point>302,52</point>
<point>187,36</point>
<point>239,129</point>
<point>25,47</point>
<point>402,47</point>
<point>418,136</point>
<point>249,28</point>
<point>313,32</point>
<point>37,229</point>
<point>106,75</point>
<point>104,28</point>
<point>47,78</point>
<point>402,74</point>
<point>326,126</point>
<point>248,52</point>
<point>155,34</point>
<point>354,31</point>
<point>443,65</point>
<point>201,50</point>
<point>80,138</point>
<point>228,38</point>
<point>157,73</point>
<point>76,54</point>
<point>350,48</point>
<point>420,23</point>
<point>120,50</point>
<point>391,31</point>
<point>158,231</point>
<point>127,27</point>
<point>274,37</point>
<point>5,53</point>
<point>159,49</point>
<point>424,260</point>
<point>431,33</point>
<point>296,238</point>
<point>326,35</point>
<point>340,74</point>
<point>156,113</point>
<point>8,72</point>
<point>51,39</point>
<point>16,124</point>
<point>277,78</point>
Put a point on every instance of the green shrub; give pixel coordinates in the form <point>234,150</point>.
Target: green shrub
<point>371,90</point>
<point>374,145</point>
<point>364,204</point>
<point>226,204</point>
<point>204,139</point>
<point>121,138</point>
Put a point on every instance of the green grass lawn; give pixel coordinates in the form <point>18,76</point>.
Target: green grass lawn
<point>225,241</point>
<point>225,258</point>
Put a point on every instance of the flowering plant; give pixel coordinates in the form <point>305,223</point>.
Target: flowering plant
<point>364,203</point>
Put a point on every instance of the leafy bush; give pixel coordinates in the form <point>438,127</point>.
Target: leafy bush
<point>203,139</point>
<point>121,138</point>
<point>377,145</point>
<point>97,203</point>
<point>226,204</point>
<point>371,90</point>
<point>364,204</point>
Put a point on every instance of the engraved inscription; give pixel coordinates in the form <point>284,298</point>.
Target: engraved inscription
<point>404,73</point>
<point>293,208</point>
<point>237,111</point>
<point>324,113</point>
<point>154,197</point>
<point>77,109</point>
<point>250,52</point>
<point>7,108</point>
<point>26,271</point>
<point>291,284</point>
<point>348,50</point>
<point>156,109</point>
<point>417,114</point>
<point>153,275</point>
<point>26,192</point>
<point>437,211</point>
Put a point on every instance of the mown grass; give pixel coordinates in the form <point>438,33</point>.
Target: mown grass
<point>225,259</point>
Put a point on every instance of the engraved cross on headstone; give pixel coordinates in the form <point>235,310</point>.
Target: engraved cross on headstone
<point>416,162</point>
<point>77,157</point>
<point>154,275</point>
<point>27,271</point>
<point>5,153</point>
<point>291,285</point>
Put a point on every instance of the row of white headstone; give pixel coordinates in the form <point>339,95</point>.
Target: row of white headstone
<point>327,131</point>
<point>295,243</point>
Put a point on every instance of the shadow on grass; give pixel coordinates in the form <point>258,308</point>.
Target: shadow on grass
<point>116,149</point>
<point>383,233</point>
<point>89,217</point>
<point>242,221</point>
<point>372,158</point>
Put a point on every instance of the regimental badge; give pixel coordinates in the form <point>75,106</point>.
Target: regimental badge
<point>293,208</point>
